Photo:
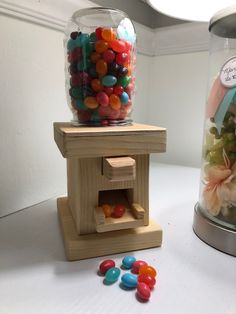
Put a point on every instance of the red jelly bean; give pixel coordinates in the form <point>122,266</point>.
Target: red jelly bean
<point>101,46</point>
<point>121,58</point>
<point>102,99</point>
<point>118,45</point>
<point>136,265</point>
<point>105,265</point>
<point>118,211</point>
<point>98,32</point>
<point>108,90</point>
<point>109,56</point>
<point>143,291</point>
<point>118,90</point>
<point>147,279</point>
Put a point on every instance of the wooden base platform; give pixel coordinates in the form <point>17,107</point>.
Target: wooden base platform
<point>100,244</point>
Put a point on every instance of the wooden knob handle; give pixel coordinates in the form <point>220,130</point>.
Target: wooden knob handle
<point>119,168</point>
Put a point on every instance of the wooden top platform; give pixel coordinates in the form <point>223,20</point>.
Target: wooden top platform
<point>83,142</point>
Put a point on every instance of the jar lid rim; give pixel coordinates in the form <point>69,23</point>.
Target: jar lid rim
<point>223,21</point>
<point>90,9</point>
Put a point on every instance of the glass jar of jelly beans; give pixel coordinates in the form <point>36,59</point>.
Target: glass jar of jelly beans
<point>215,213</point>
<point>100,53</point>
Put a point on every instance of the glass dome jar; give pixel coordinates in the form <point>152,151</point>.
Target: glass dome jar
<point>100,53</point>
<point>215,213</point>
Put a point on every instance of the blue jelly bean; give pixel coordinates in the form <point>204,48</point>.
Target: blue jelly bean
<point>71,44</point>
<point>112,275</point>
<point>81,40</point>
<point>124,98</point>
<point>109,80</point>
<point>129,280</point>
<point>128,261</point>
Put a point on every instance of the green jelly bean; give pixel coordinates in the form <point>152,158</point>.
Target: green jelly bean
<point>76,92</point>
<point>124,81</point>
<point>112,275</point>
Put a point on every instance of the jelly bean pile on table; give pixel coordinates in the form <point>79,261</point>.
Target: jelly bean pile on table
<point>141,276</point>
<point>101,76</point>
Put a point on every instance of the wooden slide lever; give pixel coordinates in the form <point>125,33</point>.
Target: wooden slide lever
<point>119,168</point>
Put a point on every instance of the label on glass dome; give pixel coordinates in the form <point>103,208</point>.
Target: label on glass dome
<point>228,73</point>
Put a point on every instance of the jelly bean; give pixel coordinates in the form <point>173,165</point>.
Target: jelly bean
<point>75,92</point>
<point>71,44</point>
<point>96,85</point>
<point>91,102</point>
<point>92,71</point>
<point>84,64</point>
<point>113,68</point>
<point>80,104</point>
<point>84,77</point>
<point>74,35</point>
<point>128,261</point>
<point>98,32</point>
<point>93,37</point>
<point>108,34</point>
<point>108,112</point>
<point>118,45</point>
<point>88,91</point>
<point>119,209</point>
<point>104,122</point>
<point>129,89</point>
<point>75,55</point>
<point>75,80</point>
<point>102,99</point>
<point>88,48</point>
<point>107,210</point>
<point>118,90</point>
<point>147,279</point>
<point>84,115</point>
<point>124,80</point>
<point>95,56</point>
<point>149,270</point>
<point>108,90</point>
<point>128,46</point>
<point>124,98</point>
<point>121,58</point>
<point>112,275</point>
<point>129,280</point>
<point>73,68</point>
<point>123,112</point>
<point>101,46</point>
<point>143,291</point>
<point>109,56</point>
<point>109,80</point>
<point>101,67</point>
<point>122,71</point>
<point>136,265</point>
<point>82,40</point>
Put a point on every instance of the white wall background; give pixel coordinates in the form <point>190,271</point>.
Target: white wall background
<point>171,86</point>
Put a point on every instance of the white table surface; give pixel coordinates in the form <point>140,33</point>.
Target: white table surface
<point>193,277</point>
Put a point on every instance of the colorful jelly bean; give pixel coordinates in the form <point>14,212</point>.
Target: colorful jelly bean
<point>102,99</point>
<point>91,102</point>
<point>113,69</point>
<point>129,280</point>
<point>112,275</point>
<point>136,265</point>
<point>119,209</point>
<point>121,58</point>
<point>115,103</point>
<point>101,67</point>
<point>124,98</point>
<point>108,34</point>
<point>147,279</point>
<point>109,56</point>
<point>124,81</point>
<point>74,35</point>
<point>128,261</point>
<point>96,85</point>
<point>107,210</point>
<point>122,71</point>
<point>118,90</point>
<point>143,291</point>
<point>95,56</point>
<point>148,270</point>
<point>118,45</point>
<point>101,46</point>
<point>108,90</point>
<point>98,33</point>
<point>105,265</point>
<point>109,80</point>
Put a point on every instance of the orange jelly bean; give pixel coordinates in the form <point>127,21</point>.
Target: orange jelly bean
<point>101,46</point>
<point>107,209</point>
<point>101,67</point>
<point>108,34</point>
<point>115,102</point>
<point>91,102</point>
<point>95,56</point>
<point>96,85</point>
<point>148,270</point>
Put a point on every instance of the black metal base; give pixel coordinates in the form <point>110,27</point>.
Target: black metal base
<point>219,237</point>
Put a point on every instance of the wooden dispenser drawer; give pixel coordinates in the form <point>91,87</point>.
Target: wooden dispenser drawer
<point>119,168</point>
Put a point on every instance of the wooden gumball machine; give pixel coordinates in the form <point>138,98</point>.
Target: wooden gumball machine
<point>107,166</point>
